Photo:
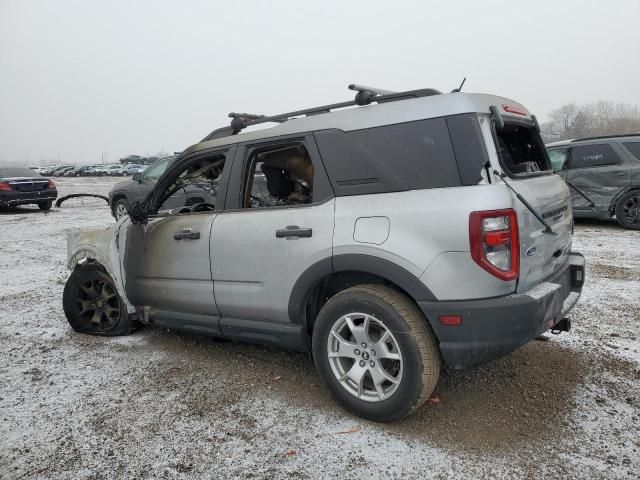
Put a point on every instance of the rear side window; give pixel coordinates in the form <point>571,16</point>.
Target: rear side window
<point>587,156</point>
<point>634,148</point>
<point>558,158</point>
<point>521,150</point>
<point>406,156</point>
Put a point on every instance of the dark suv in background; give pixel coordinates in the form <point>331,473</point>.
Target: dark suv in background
<point>125,193</point>
<point>604,176</point>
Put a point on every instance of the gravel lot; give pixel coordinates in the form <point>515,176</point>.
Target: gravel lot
<point>162,404</point>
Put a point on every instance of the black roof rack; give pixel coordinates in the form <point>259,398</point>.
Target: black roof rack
<point>364,96</point>
<point>598,137</point>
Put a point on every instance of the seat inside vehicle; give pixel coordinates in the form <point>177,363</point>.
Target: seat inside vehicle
<point>281,176</point>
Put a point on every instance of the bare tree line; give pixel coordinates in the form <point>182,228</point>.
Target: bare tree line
<point>591,119</point>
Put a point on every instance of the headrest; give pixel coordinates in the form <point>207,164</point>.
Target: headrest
<point>278,182</point>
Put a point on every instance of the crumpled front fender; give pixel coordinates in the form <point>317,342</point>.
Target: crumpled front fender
<point>100,246</point>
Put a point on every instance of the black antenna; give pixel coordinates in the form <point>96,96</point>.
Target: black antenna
<point>459,89</point>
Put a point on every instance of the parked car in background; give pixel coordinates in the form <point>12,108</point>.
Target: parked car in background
<point>54,171</point>
<point>21,186</point>
<point>604,176</point>
<point>111,170</point>
<point>124,193</point>
<point>92,171</point>
<point>390,243</point>
<point>130,169</point>
<point>76,172</point>
<point>61,171</point>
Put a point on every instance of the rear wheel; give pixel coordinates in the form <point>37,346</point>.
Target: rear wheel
<point>92,304</point>
<point>628,211</point>
<point>375,352</point>
<point>45,205</point>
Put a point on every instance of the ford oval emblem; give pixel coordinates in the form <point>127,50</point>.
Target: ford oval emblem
<point>531,252</point>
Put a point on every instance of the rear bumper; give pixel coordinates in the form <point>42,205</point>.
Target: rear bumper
<point>11,198</point>
<point>497,326</point>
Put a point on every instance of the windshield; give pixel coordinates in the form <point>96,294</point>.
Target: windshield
<point>17,172</point>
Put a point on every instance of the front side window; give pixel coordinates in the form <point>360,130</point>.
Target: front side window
<point>194,188</point>
<point>588,156</point>
<point>634,148</point>
<point>279,176</point>
<point>558,158</point>
<point>155,171</point>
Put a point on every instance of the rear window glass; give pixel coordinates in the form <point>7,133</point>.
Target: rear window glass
<point>17,172</point>
<point>634,148</point>
<point>586,156</point>
<point>521,150</point>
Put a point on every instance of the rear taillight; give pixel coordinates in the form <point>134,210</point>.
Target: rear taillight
<point>493,236</point>
<point>5,186</point>
<point>52,184</point>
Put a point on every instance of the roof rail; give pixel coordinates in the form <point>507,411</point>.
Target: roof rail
<point>598,137</point>
<point>364,96</point>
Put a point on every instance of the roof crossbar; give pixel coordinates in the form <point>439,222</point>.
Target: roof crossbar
<point>364,96</point>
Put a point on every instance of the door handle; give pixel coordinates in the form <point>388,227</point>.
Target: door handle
<point>186,235</point>
<point>294,231</point>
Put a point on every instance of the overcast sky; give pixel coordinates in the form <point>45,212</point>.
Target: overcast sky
<point>79,78</point>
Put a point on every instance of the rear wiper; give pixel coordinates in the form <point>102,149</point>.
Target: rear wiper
<point>547,228</point>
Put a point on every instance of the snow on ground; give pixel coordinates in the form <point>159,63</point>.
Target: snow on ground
<point>162,404</point>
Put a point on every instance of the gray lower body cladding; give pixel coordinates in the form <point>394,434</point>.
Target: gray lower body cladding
<point>492,328</point>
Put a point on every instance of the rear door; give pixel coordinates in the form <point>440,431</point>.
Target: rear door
<point>269,235</point>
<point>597,171</point>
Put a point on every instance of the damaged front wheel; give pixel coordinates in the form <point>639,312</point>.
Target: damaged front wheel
<point>92,304</point>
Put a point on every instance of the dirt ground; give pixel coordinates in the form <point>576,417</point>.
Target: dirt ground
<point>162,404</point>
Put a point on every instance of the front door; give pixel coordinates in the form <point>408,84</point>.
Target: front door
<point>281,224</point>
<point>166,262</point>
<point>595,170</point>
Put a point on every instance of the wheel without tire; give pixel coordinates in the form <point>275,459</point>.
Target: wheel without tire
<point>92,304</point>
<point>45,205</point>
<point>628,211</point>
<point>120,209</point>
<point>375,352</point>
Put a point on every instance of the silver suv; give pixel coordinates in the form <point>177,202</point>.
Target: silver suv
<point>391,235</point>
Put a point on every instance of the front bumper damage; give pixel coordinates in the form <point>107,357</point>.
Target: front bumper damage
<point>497,326</point>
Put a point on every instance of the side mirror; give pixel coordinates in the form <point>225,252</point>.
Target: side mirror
<point>137,213</point>
<point>137,177</point>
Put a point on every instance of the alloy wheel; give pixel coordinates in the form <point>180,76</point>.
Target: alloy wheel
<point>121,211</point>
<point>365,357</point>
<point>631,210</point>
<point>98,305</point>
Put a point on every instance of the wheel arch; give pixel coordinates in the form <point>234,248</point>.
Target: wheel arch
<point>618,196</point>
<point>332,275</point>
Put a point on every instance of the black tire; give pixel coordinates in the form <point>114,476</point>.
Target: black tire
<point>121,203</point>
<point>45,205</point>
<point>628,211</point>
<point>417,344</point>
<point>110,318</point>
